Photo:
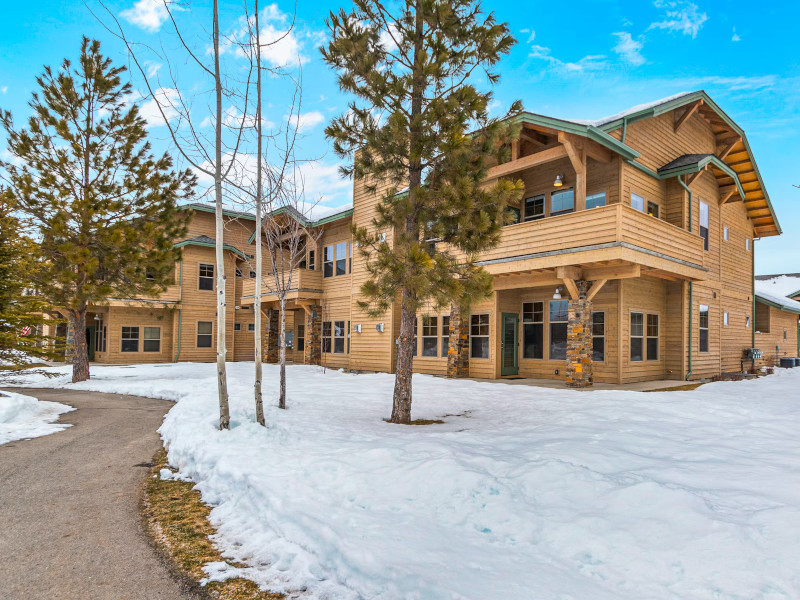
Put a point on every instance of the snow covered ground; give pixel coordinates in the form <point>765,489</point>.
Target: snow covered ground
<point>523,492</point>
<point>24,417</point>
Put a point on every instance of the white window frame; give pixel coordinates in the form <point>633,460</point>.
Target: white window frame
<point>639,199</point>
<point>703,309</point>
<point>726,234</point>
<point>487,335</point>
<point>430,331</point>
<point>704,218</point>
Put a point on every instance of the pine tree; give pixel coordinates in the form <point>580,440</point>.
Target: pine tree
<point>413,73</point>
<point>104,208</point>
<point>21,308</point>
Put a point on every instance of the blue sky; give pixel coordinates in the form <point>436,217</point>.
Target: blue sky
<point>579,59</point>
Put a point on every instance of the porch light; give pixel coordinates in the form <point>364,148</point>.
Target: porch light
<point>557,295</point>
<point>559,181</point>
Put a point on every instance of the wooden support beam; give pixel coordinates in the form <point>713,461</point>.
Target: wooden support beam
<point>690,110</point>
<point>690,179</point>
<point>573,289</point>
<point>526,162</point>
<point>596,287</point>
<point>577,156</point>
<point>724,197</point>
<point>727,147</point>
<point>726,190</point>
<point>661,275</point>
<point>515,150</point>
<point>534,137</point>
<point>570,272</point>
<point>626,271</point>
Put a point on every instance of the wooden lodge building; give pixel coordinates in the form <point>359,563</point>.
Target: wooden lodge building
<point>631,259</point>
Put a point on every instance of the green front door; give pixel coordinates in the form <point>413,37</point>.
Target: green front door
<point>509,355</point>
<point>90,333</point>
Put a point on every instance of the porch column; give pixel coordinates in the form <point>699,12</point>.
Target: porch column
<point>312,352</point>
<point>272,339</point>
<point>458,348</point>
<point>579,339</point>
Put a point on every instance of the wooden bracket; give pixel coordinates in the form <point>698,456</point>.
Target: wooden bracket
<point>690,110</point>
<point>727,194</point>
<point>729,143</point>
<point>596,287</point>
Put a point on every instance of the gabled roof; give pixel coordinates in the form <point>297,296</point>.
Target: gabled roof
<point>694,163</point>
<point>781,284</point>
<point>211,208</point>
<point>738,156</point>
<point>204,240</point>
<point>322,216</point>
<point>779,302</point>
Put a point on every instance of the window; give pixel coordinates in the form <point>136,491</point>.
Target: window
<point>785,333</point>
<point>637,337</point>
<point>204,334</point>
<point>350,258</point>
<point>327,261</point>
<point>725,319</point>
<point>747,244</point>
<point>704,224</point>
<point>341,258</point>
<point>445,334</point>
<point>652,337</point>
<point>747,321</point>
<point>152,339</point>
<point>726,234</point>
<point>251,327</point>
<point>289,339</point>
<point>327,330</point>
<point>596,200</point>
<point>311,263</point>
<point>252,274</point>
<point>414,340</point>
<point>703,328</point>
<point>338,337</point>
<point>301,338</point>
<point>239,272</point>
<point>562,202</point>
<point>130,339</point>
<point>534,208</point>
<point>652,209</point>
<point>430,335</point>
<point>559,315</point>
<point>512,215</point>
<point>598,336</point>
<point>237,326</point>
<point>479,336</point>
<point>149,275</point>
<point>533,330</point>
<point>637,202</point>
<point>206,278</point>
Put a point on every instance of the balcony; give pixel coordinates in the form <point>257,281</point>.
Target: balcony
<point>305,285</point>
<point>600,239</point>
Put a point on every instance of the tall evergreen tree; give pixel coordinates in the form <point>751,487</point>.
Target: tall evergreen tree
<point>21,308</point>
<point>412,66</point>
<point>85,178</point>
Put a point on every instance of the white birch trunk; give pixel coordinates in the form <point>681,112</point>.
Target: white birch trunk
<point>259,259</point>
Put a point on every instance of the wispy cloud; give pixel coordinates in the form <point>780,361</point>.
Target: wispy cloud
<point>681,16</point>
<point>4,89</point>
<point>168,99</point>
<point>589,63</point>
<point>307,121</point>
<point>735,37</point>
<point>758,83</point>
<point>149,14</point>
<point>629,50</point>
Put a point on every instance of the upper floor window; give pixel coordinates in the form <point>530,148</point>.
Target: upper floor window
<point>334,260</point>
<point>652,209</point>
<point>239,272</point>
<point>327,261</point>
<point>703,328</point>
<point>206,277</point>
<point>341,258</point>
<point>704,224</point>
<point>726,234</point>
<point>596,200</point>
<point>534,208</point>
<point>562,202</point>
<point>312,265</point>
<point>637,202</point>
<point>747,244</point>
<point>252,274</point>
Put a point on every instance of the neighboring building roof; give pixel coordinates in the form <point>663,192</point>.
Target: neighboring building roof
<point>766,294</point>
<point>786,284</point>
<point>204,240</point>
<point>313,216</point>
<point>228,212</point>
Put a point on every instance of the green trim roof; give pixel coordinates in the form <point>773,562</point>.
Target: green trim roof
<point>205,241</point>
<point>294,214</point>
<point>694,163</point>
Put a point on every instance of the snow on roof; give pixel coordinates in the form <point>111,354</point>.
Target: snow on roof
<point>629,111</point>
<point>779,285</point>
<point>319,211</point>
<point>765,292</point>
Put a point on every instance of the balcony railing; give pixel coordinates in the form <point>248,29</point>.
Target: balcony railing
<point>302,279</point>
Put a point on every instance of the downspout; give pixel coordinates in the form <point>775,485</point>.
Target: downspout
<point>691,283</point>
<point>180,311</point>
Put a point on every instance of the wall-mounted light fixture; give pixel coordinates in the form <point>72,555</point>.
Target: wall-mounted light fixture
<point>357,327</point>
<point>379,327</point>
<point>559,181</point>
<point>557,295</point>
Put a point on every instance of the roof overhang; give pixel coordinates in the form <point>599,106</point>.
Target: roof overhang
<point>768,302</point>
<point>228,247</point>
<point>291,213</point>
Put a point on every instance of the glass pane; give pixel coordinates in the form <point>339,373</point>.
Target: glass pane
<point>704,316</point>
<point>559,311</point>
<point>203,341</point>
<point>704,340</point>
<point>599,349</point>
<point>429,346</point>
<point>652,348</point>
<point>326,328</point>
<point>652,209</point>
<point>509,347</point>
<point>151,345</point>
<point>652,325</point>
<point>637,324</point>
<point>596,200</point>
<point>598,323</point>
<point>562,201</point>
<point>480,347</point>
<point>152,333</point>
<point>534,208</point>
<point>338,345</point>
<point>533,345</point>
<point>637,202</point>
<point>636,349</point>
<point>445,326</point>
<point>527,311</point>
<point>558,341</point>
<point>704,214</point>
<point>204,327</point>
<point>326,344</point>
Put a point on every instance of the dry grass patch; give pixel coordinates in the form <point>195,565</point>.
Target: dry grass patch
<point>177,521</point>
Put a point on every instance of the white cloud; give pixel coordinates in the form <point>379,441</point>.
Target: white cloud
<point>735,37</point>
<point>4,89</point>
<point>681,16</point>
<point>630,50</point>
<point>591,62</point>
<point>308,120</point>
<point>169,99</point>
<point>387,38</point>
<point>532,36</point>
<point>758,83</point>
<point>321,182</point>
<point>149,14</point>
<point>152,68</point>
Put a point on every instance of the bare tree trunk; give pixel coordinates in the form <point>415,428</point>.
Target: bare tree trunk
<point>401,401</point>
<point>222,380</point>
<point>282,396</point>
<point>259,259</point>
<point>80,357</point>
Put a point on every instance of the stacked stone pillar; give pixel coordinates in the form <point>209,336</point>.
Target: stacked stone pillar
<point>458,349</point>
<point>579,339</point>
<point>312,352</point>
<point>272,337</point>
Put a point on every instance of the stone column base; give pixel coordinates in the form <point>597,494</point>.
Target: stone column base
<point>458,349</point>
<point>579,340</point>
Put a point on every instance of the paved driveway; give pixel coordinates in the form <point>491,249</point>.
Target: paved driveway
<point>69,519</point>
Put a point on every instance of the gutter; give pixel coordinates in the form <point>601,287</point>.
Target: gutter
<point>691,283</point>
<point>180,313</point>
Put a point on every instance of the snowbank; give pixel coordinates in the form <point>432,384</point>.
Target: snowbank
<point>24,417</point>
<point>522,493</point>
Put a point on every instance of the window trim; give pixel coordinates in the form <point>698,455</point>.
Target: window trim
<point>445,345</point>
<point>198,334</point>
<point>649,337</point>
<point>700,328</point>
<point>128,339</point>
<point>641,336</point>
<point>201,277</point>
<point>524,322</point>
<point>430,321</point>
<point>603,336</point>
